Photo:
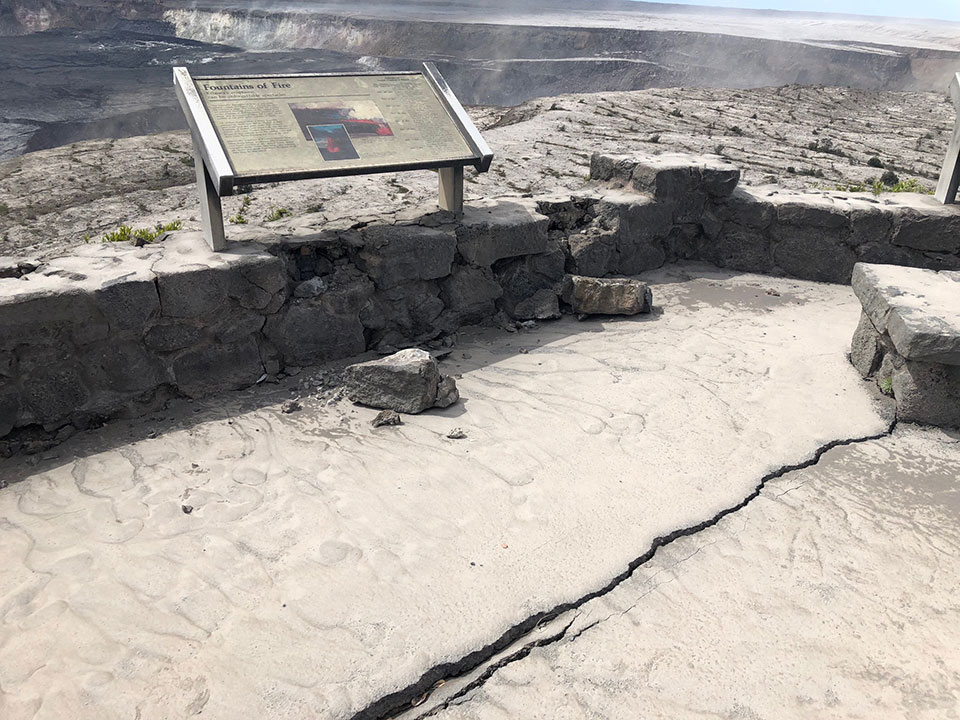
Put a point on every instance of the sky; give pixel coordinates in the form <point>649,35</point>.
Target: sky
<point>937,9</point>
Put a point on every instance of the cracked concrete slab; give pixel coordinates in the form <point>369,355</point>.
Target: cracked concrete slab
<point>833,594</point>
<point>326,568</point>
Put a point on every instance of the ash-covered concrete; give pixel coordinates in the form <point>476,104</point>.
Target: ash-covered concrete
<point>227,557</point>
<point>832,595</point>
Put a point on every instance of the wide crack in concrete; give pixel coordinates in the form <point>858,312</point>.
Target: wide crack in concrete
<point>418,693</point>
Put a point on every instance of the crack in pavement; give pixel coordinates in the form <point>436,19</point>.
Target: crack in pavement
<point>415,694</point>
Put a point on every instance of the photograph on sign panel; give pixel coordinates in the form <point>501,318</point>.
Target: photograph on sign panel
<point>333,142</point>
<point>361,118</point>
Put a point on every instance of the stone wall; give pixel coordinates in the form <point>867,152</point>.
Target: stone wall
<point>118,329</point>
<point>650,210</point>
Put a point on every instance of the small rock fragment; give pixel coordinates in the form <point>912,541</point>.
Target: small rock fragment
<point>290,406</point>
<point>310,288</point>
<point>447,392</point>
<point>387,417</point>
<point>187,509</point>
<point>456,434</point>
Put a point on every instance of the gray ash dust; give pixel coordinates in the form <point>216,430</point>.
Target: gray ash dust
<point>64,86</point>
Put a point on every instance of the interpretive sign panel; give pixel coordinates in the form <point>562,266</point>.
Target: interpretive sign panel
<point>252,129</point>
<point>329,124</point>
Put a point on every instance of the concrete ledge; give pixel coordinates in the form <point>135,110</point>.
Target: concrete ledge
<point>908,339</point>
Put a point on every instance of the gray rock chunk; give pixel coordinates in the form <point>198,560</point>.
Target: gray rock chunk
<point>447,392</point>
<point>607,296</point>
<point>739,247</point>
<point>310,288</point>
<point>169,335</point>
<point>865,349</point>
<point>682,181</point>
<point>522,279</point>
<point>471,292</point>
<point>406,381</point>
<point>397,254</point>
<point>206,369</point>
<point>544,305</point>
<point>810,254</point>
<point>488,233</point>
<point>322,328</point>
<point>927,393</point>
<point>128,306</point>
<point>594,251</point>
<point>386,418</point>
<point>919,309</point>
<point>936,229</point>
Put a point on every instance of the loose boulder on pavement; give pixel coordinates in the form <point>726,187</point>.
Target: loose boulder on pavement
<point>606,296</point>
<point>408,381</point>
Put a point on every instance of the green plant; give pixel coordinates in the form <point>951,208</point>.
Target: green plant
<point>187,160</point>
<point>4,209</point>
<point>277,213</point>
<point>886,386</point>
<point>241,217</point>
<point>911,185</point>
<point>140,236</point>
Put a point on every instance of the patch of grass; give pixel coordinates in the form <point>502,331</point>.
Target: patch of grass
<point>891,183</point>
<point>886,386</point>
<point>140,236</point>
<point>278,213</point>
<point>241,217</point>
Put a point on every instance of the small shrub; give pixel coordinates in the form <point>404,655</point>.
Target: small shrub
<point>140,236</point>
<point>886,386</point>
<point>277,213</point>
<point>875,162</point>
<point>241,217</point>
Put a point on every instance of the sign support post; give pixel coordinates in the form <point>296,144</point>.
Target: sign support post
<point>950,174</point>
<point>211,209</point>
<point>451,189</point>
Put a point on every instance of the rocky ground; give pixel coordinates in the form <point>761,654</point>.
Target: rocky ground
<point>793,137</point>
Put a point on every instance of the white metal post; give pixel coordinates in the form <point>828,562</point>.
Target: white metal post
<point>451,189</point>
<point>950,174</point>
<point>211,210</point>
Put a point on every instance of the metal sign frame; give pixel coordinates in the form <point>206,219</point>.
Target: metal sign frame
<point>217,178</point>
<point>950,174</point>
